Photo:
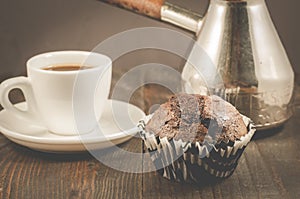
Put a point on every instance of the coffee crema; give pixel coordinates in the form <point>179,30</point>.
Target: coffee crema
<point>66,68</point>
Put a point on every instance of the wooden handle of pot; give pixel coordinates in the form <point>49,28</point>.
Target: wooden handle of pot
<point>149,8</point>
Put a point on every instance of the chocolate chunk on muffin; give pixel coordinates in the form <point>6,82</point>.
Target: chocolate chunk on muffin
<point>191,136</point>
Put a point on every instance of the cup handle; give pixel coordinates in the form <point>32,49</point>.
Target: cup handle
<point>24,85</point>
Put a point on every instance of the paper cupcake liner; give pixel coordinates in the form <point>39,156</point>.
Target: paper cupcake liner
<point>187,162</point>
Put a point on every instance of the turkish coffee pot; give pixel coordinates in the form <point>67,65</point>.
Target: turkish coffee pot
<point>241,41</point>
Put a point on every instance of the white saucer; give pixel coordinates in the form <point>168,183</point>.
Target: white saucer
<point>117,125</point>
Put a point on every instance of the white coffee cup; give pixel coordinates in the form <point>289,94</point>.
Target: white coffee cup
<point>65,102</point>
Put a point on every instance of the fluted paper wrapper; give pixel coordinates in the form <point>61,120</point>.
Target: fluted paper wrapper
<point>190,162</point>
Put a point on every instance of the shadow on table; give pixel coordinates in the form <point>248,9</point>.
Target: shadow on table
<point>264,134</point>
<point>59,157</point>
<point>207,181</point>
<point>74,156</point>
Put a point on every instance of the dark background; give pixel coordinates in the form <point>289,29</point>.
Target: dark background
<point>34,26</point>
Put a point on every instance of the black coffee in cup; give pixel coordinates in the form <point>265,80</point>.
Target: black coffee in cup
<point>66,68</point>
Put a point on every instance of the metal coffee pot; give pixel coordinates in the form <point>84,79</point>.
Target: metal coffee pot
<point>252,69</point>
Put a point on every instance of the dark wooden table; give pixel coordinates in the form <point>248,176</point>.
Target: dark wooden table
<point>269,168</point>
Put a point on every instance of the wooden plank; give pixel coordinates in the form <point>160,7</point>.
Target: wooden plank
<point>267,169</point>
<point>281,152</point>
<point>29,174</point>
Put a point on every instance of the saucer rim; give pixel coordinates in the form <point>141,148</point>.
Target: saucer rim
<point>73,139</point>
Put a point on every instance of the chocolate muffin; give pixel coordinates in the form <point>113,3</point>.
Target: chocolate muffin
<point>192,136</point>
<point>193,117</point>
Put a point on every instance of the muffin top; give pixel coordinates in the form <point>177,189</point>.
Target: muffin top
<point>195,118</point>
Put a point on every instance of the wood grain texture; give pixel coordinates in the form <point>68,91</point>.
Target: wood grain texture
<point>149,8</point>
<point>269,168</point>
<point>30,174</point>
<point>25,173</point>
